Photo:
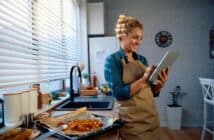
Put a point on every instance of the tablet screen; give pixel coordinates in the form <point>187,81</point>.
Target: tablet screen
<point>167,60</point>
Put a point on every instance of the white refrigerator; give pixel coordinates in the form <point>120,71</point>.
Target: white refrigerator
<point>99,49</point>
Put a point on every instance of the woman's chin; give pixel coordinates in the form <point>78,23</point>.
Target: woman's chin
<point>134,50</point>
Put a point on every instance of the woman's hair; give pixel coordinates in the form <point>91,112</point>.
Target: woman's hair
<point>125,25</point>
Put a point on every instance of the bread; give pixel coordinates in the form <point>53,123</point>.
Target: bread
<point>56,121</point>
<point>17,134</point>
<point>10,134</point>
<point>25,135</point>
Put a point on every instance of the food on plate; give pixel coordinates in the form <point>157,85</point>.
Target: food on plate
<point>17,134</point>
<point>56,121</point>
<point>82,126</point>
<point>79,122</point>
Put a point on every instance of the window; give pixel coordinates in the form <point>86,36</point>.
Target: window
<point>38,40</point>
<point>71,30</point>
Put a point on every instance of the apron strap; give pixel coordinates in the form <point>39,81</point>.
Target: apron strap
<point>123,61</point>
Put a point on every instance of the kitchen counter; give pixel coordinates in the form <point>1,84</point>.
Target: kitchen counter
<point>112,134</point>
<point>8,126</point>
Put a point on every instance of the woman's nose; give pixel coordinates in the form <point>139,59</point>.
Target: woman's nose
<point>137,42</point>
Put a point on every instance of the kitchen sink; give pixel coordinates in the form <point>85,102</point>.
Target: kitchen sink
<point>91,105</point>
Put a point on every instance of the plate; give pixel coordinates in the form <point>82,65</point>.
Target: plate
<point>108,124</point>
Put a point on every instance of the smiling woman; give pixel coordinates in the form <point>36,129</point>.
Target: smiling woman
<point>126,73</point>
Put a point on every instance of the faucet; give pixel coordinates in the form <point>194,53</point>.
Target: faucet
<point>71,81</point>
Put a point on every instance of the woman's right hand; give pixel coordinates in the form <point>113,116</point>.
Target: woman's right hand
<point>143,81</point>
<point>147,73</point>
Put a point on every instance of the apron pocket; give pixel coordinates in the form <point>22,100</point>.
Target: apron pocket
<point>128,113</point>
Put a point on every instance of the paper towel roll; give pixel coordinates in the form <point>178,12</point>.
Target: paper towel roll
<point>13,107</point>
<point>33,100</point>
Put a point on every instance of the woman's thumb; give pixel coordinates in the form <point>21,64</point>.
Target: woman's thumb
<point>147,73</point>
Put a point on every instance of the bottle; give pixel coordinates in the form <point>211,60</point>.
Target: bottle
<point>39,103</point>
<point>94,80</point>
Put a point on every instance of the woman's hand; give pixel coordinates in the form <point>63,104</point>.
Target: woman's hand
<point>147,73</point>
<point>160,82</point>
<point>141,82</point>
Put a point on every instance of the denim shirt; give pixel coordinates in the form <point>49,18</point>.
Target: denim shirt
<point>113,72</point>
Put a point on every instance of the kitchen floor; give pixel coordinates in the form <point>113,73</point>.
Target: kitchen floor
<point>186,133</point>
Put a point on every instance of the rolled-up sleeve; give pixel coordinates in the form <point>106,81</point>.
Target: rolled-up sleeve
<point>113,75</point>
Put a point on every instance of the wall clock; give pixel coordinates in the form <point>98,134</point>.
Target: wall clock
<point>163,39</point>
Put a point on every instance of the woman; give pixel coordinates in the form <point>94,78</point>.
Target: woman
<point>127,74</point>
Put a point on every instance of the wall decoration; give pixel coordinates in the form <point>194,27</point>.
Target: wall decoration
<point>163,39</point>
<point>212,43</point>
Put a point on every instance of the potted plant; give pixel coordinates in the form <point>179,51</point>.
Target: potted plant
<point>174,110</point>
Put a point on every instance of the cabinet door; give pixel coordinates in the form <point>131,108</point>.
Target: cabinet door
<point>96,18</point>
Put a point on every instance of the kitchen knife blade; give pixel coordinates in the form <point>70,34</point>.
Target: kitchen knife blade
<point>50,132</point>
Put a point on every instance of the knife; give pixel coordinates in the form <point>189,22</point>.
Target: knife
<point>51,132</point>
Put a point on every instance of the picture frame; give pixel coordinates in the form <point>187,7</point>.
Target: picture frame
<point>211,51</point>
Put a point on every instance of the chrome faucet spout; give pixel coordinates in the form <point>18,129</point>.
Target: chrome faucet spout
<point>71,81</point>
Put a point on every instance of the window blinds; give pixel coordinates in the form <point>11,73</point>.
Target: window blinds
<point>18,50</point>
<point>37,42</point>
<point>71,31</point>
<point>49,33</point>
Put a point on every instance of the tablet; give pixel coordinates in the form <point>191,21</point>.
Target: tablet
<point>167,60</point>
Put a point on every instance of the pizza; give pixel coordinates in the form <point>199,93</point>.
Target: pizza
<point>80,127</point>
<point>78,122</point>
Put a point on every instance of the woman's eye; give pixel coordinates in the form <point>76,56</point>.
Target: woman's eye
<point>137,37</point>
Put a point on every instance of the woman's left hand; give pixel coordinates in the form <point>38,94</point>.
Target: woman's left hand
<point>162,78</point>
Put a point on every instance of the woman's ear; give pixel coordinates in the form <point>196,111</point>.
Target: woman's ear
<point>123,36</point>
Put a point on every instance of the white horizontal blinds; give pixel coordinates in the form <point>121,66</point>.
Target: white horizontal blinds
<point>18,51</point>
<point>38,40</point>
<point>70,13</point>
<point>49,33</point>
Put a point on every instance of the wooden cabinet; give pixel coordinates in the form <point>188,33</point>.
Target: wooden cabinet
<point>96,18</point>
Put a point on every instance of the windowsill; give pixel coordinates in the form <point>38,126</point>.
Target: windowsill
<point>53,104</point>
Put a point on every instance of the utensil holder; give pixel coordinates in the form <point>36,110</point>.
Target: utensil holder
<point>28,120</point>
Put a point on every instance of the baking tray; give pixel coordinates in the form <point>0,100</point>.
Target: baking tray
<point>108,124</point>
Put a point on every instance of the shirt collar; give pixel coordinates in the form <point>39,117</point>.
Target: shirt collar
<point>123,54</point>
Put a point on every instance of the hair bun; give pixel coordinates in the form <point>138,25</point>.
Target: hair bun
<point>125,24</point>
<point>122,16</point>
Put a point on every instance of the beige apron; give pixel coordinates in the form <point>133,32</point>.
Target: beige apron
<point>139,111</point>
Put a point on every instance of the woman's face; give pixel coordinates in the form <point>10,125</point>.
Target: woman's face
<point>132,40</point>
